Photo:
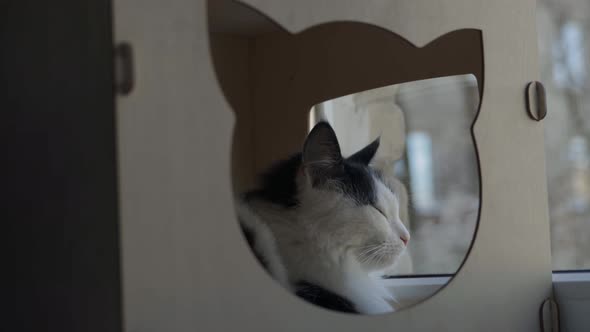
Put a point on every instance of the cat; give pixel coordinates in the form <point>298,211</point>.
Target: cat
<point>322,225</point>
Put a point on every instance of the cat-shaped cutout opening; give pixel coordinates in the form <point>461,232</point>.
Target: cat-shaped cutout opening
<point>271,78</point>
<point>323,224</point>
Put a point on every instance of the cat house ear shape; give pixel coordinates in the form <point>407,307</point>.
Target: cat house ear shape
<point>321,153</point>
<point>366,154</point>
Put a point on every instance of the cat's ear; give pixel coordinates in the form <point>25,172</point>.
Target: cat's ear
<point>321,152</point>
<point>366,154</point>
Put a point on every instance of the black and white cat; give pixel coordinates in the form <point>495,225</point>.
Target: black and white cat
<point>322,225</point>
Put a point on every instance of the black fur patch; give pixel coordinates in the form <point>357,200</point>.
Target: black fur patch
<point>366,154</point>
<point>323,297</point>
<point>356,181</point>
<point>277,184</point>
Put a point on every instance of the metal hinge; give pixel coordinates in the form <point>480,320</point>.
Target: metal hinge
<point>549,316</point>
<point>124,73</point>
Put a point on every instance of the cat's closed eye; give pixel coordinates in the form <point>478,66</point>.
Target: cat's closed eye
<point>379,210</point>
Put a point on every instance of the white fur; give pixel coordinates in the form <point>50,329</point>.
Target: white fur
<point>404,264</point>
<point>332,242</point>
<point>264,243</point>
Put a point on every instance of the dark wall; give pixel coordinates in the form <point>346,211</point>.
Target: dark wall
<point>59,167</point>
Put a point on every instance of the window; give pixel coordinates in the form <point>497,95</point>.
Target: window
<point>425,129</point>
<point>563,43</point>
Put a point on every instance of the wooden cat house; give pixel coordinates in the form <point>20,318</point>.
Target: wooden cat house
<point>223,88</point>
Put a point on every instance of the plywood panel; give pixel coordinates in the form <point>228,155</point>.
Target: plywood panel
<point>231,55</point>
<point>185,264</point>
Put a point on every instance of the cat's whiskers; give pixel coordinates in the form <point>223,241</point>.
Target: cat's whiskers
<point>387,250</point>
<point>373,256</point>
<point>369,255</point>
<point>379,253</point>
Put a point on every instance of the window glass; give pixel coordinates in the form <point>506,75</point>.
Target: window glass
<point>563,32</point>
<point>426,142</point>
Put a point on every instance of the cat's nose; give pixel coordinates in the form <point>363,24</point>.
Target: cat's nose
<point>405,239</point>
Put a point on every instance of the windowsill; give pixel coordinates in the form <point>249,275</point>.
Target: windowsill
<point>411,290</point>
<point>572,285</point>
<point>571,289</point>
<point>572,293</point>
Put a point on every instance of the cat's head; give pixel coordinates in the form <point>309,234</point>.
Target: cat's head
<point>349,209</point>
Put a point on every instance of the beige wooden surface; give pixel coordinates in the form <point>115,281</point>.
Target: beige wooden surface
<point>185,264</point>
<point>289,74</point>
